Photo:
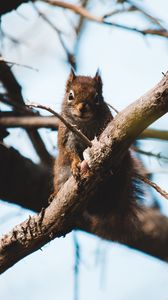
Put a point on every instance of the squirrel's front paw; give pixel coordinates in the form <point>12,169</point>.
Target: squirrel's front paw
<point>84,168</point>
<point>79,168</point>
<point>75,168</point>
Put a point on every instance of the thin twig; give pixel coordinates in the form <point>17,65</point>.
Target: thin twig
<point>154,185</point>
<point>118,11</point>
<point>148,153</point>
<point>70,56</point>
<point>112,107</point>
<point>86,14</point>
<point>5,98</point>
<point>146,14</point>
<point>11,63</point>
<point>71,127</point>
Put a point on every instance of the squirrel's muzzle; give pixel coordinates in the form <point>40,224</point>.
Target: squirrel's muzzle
<point>83,110</point>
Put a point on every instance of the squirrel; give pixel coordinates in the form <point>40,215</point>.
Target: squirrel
<point>84,107</point>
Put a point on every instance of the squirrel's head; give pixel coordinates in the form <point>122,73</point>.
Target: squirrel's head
<point>83,98</point>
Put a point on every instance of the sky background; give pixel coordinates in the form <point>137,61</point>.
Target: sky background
<point>130,65</point>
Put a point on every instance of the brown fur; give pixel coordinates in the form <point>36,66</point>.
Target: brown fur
<point>90,114</point>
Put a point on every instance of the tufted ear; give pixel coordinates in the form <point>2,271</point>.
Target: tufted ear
<point>98,80</point>
<point>70,79</point>
<point>72,75</point>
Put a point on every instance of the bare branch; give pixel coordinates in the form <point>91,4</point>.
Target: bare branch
<point>11,64</point>
<point>22,181</point>
<point>146,14</point>
<point>118,11</point>
<point>29,122</point>
<point>34,198</point>
<point>154,134</point>
<point>14,90</point>
<point>70,56</point>
<point>50,122</point>
<point>154,185</point>
<point>86,14</point>
<point>149,153</point>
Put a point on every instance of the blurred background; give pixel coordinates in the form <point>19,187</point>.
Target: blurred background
<point>130,63</point>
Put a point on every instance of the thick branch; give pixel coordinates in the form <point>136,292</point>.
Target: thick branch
<point>28,174</point>
<point>14,90</point>
<point>9,120</point>
<point>29,122</point>
<point>60,216</point>
<point>22,182</point>
<point>154,134</point>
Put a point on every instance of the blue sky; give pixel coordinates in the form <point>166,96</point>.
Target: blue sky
<point>130,65</point>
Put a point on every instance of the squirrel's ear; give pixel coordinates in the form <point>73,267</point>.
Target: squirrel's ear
<point>98,79</point>
<point>71,77</point>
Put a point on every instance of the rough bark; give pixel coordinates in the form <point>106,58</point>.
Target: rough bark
<point>61,215</point>
<point>15,188</point>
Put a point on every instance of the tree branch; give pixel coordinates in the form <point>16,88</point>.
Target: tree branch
<point>71,127</point>
<point>14,90</point>
<point>29,122</point>
<point>22,181</point>
<point>87,15</point>
<point>60,216</point>
<point>154,134</point>
<point>154,185</point>
<point>7,6</point>
<point>34,198</point>
<point>150,154</point>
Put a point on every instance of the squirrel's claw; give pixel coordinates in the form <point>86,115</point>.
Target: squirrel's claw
<point>79,168</point>
<point>75,169</point>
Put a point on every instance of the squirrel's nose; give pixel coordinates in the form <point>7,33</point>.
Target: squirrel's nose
<point>83,107</point>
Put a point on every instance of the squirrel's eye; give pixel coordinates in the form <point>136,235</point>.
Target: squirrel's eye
<point>71,95</point>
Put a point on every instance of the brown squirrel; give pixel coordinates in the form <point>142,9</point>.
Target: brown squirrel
<point>84,106</point>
